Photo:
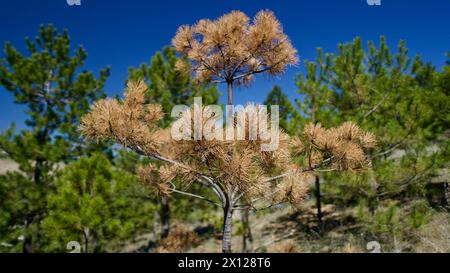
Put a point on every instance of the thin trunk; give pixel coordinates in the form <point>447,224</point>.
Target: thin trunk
<point>447,195</point>
<point>230,116</point>
<point>165,217</point>
<point>227,229</point>
<point>86,240</point>
<point>228,211</point>
<point>155,223</point>
<point>247,232</point>
<point>230,92</point>
<point>318,200</point>
<point>371,205</point>
<point>95,243</point>
<point>38,171</point>
<point>37,175</point>
<point>27,243</point>
<point>373,198</point>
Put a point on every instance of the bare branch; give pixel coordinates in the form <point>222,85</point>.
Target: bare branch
<point>259,71</point>
<point>371,111</point>
<point>193,195</point>
<point>389,150</point>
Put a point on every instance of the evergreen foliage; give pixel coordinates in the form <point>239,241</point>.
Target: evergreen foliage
<point>49,81</point>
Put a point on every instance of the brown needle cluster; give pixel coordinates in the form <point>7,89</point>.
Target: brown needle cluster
<point>157,179</point>
<point>234,48</point>
<point>344,147</point>
<point>237,163</point>
<point>130,122</point>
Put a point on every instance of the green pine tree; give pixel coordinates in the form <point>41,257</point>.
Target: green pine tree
<point>49,82</point>
<point>95,205</point>
<point>392,95</point>
<point>288,113</point>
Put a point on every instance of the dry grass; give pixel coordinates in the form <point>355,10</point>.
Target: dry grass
<point>180,239</point>
<point>351,248</point>
<point>435,236</point>
<point>289,246</point>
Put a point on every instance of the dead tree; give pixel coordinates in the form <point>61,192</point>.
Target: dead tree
<point>241,174</point>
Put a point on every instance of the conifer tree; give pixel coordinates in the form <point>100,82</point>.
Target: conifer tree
<point>92,205</point>
<point>49,82</point>
<point>239,172</point>
<point>223,54</point>
<point>394,96</point>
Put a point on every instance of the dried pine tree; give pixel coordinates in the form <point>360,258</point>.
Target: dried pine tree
<point>239,173</point>
<point>232,50</point>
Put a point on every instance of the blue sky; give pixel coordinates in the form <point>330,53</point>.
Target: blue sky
<point>120,34</point>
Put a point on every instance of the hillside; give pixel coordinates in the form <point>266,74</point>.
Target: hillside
<point>7,165</point>
<point>285,230</point>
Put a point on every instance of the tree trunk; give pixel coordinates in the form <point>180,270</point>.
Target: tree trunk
<point>247,232</point>
<point>38,171</point>
<point>28,238</point>
<point>165,217</point>
<point>227,229</point>
<point>86,232</point>
<point>228,211</point>
<point>230,116</point>
<point>447,195</point>
<point>230,92</point>
<point>27,244</point>
<point>318,200</point>
<point>95,243</point>
<point>371,205</point>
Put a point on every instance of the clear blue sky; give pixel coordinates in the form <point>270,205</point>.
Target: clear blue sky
<point>124,33</point>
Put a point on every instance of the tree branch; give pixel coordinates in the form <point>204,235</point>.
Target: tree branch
<point>193,195</point>
<point>258,71</point>
<point>377,105</point>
